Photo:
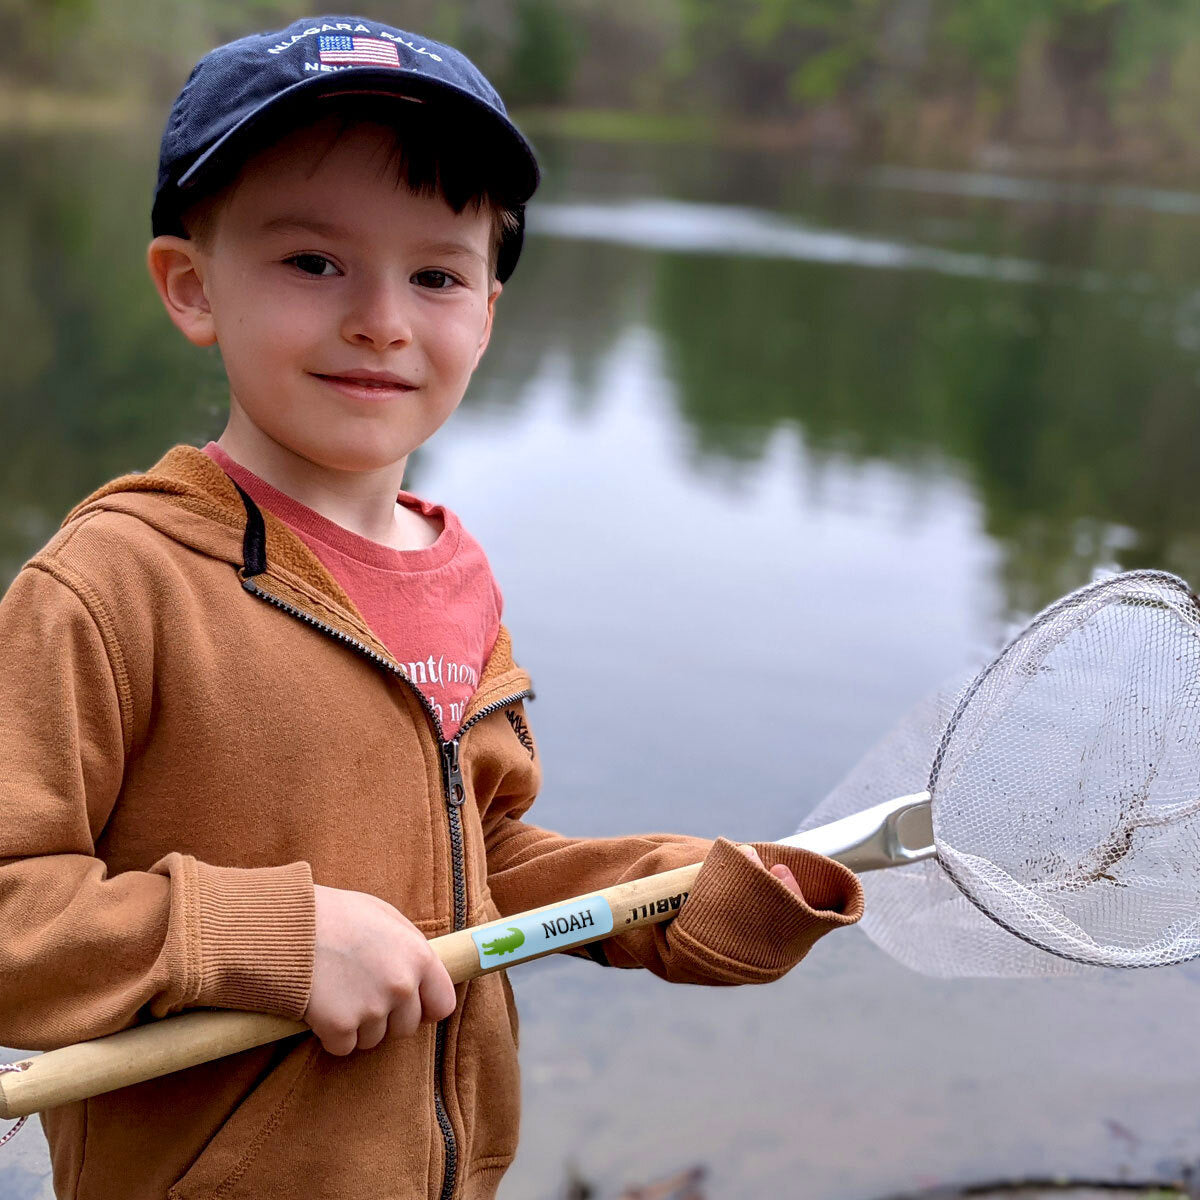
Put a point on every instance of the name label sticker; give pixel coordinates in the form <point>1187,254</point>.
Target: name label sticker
<point>568,924</point>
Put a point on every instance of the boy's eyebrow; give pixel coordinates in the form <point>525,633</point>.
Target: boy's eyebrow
<point>306,224</point>
<point>288,224</point>
<point>454,248</point>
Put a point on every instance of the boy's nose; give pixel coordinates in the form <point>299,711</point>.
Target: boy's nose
<point>381,317</point>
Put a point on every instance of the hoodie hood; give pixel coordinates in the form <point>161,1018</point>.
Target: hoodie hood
<point>188,498</point>
<point>185,496</point>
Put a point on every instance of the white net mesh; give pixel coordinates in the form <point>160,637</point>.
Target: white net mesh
<point>1066,796</point>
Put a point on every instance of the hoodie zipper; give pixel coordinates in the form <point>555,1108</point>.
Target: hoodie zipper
<point>454,794</point>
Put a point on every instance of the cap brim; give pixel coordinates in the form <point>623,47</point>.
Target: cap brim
<point>388,81</point>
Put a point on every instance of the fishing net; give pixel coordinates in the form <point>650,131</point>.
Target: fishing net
<point>1065,791</point>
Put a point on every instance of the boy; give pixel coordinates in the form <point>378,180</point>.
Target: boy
<point>276,738</point>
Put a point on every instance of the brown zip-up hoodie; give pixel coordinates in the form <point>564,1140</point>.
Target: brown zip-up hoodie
<point>196,725</point>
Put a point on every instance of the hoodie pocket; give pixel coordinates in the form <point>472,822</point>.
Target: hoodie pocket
<point>486,1075</point>
<point>231,1154</point>
<point>359,1126</point>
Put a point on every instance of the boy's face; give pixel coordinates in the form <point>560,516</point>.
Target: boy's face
<point>350,312</point>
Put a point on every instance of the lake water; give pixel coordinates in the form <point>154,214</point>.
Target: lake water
<point>761,452</point>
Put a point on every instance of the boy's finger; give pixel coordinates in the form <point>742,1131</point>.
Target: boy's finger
<point>371,1033</point>
<point>337,1039</point>
<point>786,878</point>
<point>407,1016</point>
<point>778,870</point>
<point>751,854</point>
<point>437,996</point>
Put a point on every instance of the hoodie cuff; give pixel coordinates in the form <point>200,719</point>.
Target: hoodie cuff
<point>257,938</point>
<point>742,925</point>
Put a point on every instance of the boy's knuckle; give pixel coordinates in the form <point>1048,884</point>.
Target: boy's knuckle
<point>339,1045</point>
<point>400,985</point>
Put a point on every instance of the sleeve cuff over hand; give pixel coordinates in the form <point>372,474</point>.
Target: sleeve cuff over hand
<point>257,938</point>
<point>742,925</point>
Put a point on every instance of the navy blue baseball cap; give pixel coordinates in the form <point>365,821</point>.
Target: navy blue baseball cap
<point>235,92</point>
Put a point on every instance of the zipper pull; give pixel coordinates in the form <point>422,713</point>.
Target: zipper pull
<point>455,792</point>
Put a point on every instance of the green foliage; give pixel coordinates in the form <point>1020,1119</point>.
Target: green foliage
<point>1129,63</point>
<point>544,55</point>
<point>123,46</point>
<point>990,34</point>
<point>609,125</point>
<point>785,50</point>
<point>842,20</point>
<point>1150,35</point>
<point>824,75</point>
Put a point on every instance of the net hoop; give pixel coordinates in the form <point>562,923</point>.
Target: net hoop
<point>1100,594</point>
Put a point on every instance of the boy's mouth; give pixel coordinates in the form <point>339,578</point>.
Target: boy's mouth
<point>378,383</point>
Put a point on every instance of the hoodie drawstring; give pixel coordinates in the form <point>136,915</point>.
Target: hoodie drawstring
<point>16,1128</point>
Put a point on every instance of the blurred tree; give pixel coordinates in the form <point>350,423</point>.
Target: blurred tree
<point>845,38</point>
<point>544,55</point>
<point>910,78</point>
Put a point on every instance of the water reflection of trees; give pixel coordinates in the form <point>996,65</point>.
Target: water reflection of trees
<point>1073,411</point>
<point>96,381</point>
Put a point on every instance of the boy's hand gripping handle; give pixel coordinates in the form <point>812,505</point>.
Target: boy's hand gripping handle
<point>866,841</point>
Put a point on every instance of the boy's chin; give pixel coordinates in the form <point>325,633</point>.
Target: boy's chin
<point>356,459</point>
<point>331,453</point>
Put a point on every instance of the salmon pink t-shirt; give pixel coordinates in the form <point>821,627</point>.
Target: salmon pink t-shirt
<point>436,609</point>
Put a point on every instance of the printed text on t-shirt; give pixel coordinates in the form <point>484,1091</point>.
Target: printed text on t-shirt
<point>440,680</point>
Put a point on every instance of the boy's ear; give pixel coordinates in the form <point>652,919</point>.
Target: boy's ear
<point>497,288</point>
<point>177,268</point>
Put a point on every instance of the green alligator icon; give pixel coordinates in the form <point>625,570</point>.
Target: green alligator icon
<point>506,943</point>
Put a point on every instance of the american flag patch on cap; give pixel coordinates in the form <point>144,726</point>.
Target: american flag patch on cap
<point>359,51</point>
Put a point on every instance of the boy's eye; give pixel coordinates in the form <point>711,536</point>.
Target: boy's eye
<point>312,264</point>
<point>438,280</point>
